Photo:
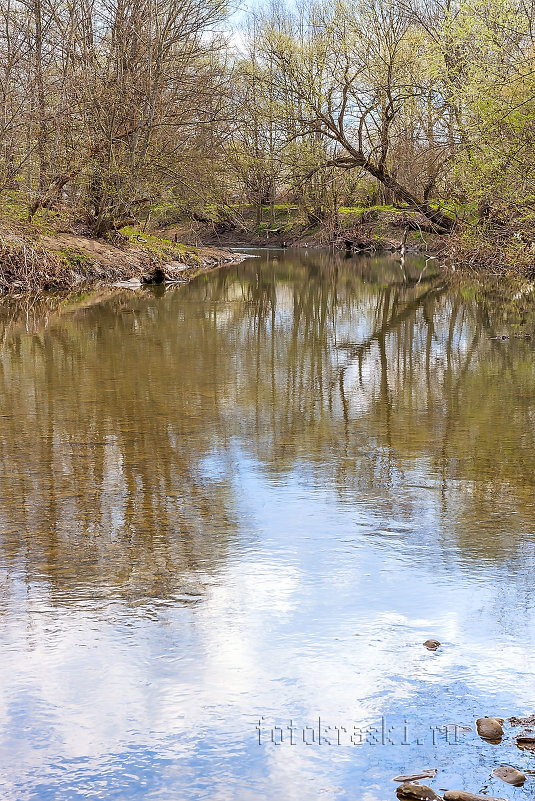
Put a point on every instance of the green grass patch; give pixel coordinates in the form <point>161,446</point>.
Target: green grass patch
<point>161,248</point>
<point>73,258</point>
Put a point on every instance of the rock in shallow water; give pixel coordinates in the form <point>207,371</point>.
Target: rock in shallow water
<point>528,720</point>
<point>416,792</point>
<point>490,728</point>
<point>526,740</point>
<point>412,777</point>
<point>459,795</point>
<point>510,775</point>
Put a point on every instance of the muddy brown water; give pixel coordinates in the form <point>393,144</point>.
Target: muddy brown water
<point>232,512</point>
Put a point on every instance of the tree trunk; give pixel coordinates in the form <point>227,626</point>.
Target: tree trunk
<point>41,103</point>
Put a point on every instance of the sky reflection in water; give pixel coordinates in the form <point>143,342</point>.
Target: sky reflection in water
<point>253,498</point>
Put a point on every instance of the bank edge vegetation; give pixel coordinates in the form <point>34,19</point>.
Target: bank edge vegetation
<point>119,112</point>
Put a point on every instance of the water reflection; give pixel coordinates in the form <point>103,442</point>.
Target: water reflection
<point>253,498</point>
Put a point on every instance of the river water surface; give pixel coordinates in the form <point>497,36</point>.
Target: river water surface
<point>230,514</point>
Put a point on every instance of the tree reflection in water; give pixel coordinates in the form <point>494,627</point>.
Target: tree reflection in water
<point>120,412</point>
<point>257,495</point>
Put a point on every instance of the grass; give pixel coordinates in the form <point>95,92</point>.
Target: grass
<point>72,257</point>
<point>160,247</point>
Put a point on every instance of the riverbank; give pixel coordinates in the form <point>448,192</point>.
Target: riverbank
<point>374,229</point>
<point>482,246</point>
<point>52,252</point>
<point>44,255</point>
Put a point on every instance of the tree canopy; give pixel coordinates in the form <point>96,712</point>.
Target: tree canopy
<point>120,107</point>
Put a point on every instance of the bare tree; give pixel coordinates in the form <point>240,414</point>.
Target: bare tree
<point>349,67</point>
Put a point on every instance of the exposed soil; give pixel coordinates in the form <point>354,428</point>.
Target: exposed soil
<point>67,261</point>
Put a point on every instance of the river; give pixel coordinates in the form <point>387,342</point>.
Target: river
<point>232,512</point>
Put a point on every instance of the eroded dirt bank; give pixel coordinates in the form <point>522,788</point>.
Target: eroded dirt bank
<point>67,261</point>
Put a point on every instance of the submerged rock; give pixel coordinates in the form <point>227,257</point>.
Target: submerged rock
<point>431,645</point>
<point>424,774</point>
<point>490,729</point>
<point>417,792</point>
<point>528,720</point>
<point>459,795</point>
<point>526,740</point>
<point>510,775</point>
